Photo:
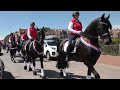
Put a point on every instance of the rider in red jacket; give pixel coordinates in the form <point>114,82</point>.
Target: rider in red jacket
<point>31,34</point>
<point>24,36</point>
<point>74,31</point>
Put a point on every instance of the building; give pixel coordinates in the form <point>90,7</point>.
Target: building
<point>22,30</point>
<point>116,33</point>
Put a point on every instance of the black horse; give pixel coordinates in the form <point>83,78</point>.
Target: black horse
<point>18,44</point>
<point>12,49</point>
<point>87,49</point>
<point>34,51</point>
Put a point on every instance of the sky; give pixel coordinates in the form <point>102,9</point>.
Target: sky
<point>11,21</point>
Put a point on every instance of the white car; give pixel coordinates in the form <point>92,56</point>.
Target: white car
<point>50,49</point>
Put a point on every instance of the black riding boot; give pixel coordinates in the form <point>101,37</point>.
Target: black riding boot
<point>69,49</point>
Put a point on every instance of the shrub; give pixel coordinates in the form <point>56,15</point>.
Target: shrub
<point>112,49</point>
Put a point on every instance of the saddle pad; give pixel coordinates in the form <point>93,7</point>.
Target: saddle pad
<point>65,47</point>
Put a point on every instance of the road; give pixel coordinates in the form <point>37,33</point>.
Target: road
<point>77,70</point>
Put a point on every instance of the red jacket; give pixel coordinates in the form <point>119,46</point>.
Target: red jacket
<point>24,37</point>
<point>76,26</point>
<point>33,32</point>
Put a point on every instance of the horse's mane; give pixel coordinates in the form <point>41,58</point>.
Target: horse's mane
<point>94,21</point>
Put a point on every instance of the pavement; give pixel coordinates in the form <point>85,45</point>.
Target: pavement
<point>77,70</point>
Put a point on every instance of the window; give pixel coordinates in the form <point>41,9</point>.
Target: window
<point>52,43</point>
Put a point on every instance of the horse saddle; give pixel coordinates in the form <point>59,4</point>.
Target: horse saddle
<point>28,45</point>
<point>74,45</point>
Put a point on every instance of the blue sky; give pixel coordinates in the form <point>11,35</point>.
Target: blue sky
<point>11,21</point>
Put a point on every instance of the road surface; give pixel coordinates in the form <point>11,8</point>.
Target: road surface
<point>77,70</point>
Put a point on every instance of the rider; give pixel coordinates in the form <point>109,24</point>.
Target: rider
<point>32,33</point>
<point>12,38</point>
<point>74,31</point>
<point>23,36</point>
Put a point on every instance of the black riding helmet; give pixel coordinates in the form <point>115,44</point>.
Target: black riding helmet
<point>75,13</point>
<point>32,24</point>
<point>11,34</point>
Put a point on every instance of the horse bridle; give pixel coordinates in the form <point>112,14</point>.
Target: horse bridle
<point>99,27</point>
<point>105,34</point>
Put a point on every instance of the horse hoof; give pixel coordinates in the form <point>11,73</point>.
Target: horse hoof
<point>64,77</point>
<point>43,77</point>
<point>34,72</point>
<point>11,59</point>
<point>25,67</point>
<point>30,69</point>
<point>14,61</point>
<point>97,76</point>
<point>61,74</point>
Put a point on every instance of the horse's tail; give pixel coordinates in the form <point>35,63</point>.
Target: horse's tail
<point>61,63</point>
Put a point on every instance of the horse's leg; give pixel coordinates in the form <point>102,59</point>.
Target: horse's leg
<point>34,69</point>
<point>42,67</point>
<point>62,64</point>
<point>11,55</point>
<point>88,74</point>
<point>93,62</point>
<point>19,51</point>
<point>63,73</point>
<point>29,63</point>
<point>91,68</point>
<point>7,49</point>
<point>25,64</point>
<point>14,53</point>
<point>28,60</point>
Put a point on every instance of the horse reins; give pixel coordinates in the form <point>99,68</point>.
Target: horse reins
<point>89,36</point>
<point>39,53</point>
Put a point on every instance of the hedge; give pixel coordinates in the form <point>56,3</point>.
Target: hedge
<point>112,49</point>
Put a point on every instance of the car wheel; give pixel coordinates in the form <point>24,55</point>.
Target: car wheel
<point>48,57</point>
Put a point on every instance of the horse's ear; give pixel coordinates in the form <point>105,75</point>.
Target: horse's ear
<point>108,16</point>
<point>103,16</point>
<point>37,28</point>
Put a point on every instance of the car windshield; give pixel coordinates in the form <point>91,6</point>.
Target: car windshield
<point>52,43</point>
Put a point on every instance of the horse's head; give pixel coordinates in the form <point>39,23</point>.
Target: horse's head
<point>38,45</point>
<point>103,28</point>
<point>41,34</point>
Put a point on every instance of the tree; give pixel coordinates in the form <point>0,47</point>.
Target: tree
<point>6,38</point>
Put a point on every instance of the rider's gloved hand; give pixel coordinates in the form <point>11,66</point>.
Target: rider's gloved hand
<point>78,32</point>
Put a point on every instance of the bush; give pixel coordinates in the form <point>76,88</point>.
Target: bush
<point>115,41</point>
<point>112,49</point>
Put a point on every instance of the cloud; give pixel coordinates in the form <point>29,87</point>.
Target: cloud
<point>116,26</point>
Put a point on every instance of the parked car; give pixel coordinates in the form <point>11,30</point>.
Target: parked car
<point>50,49</point>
